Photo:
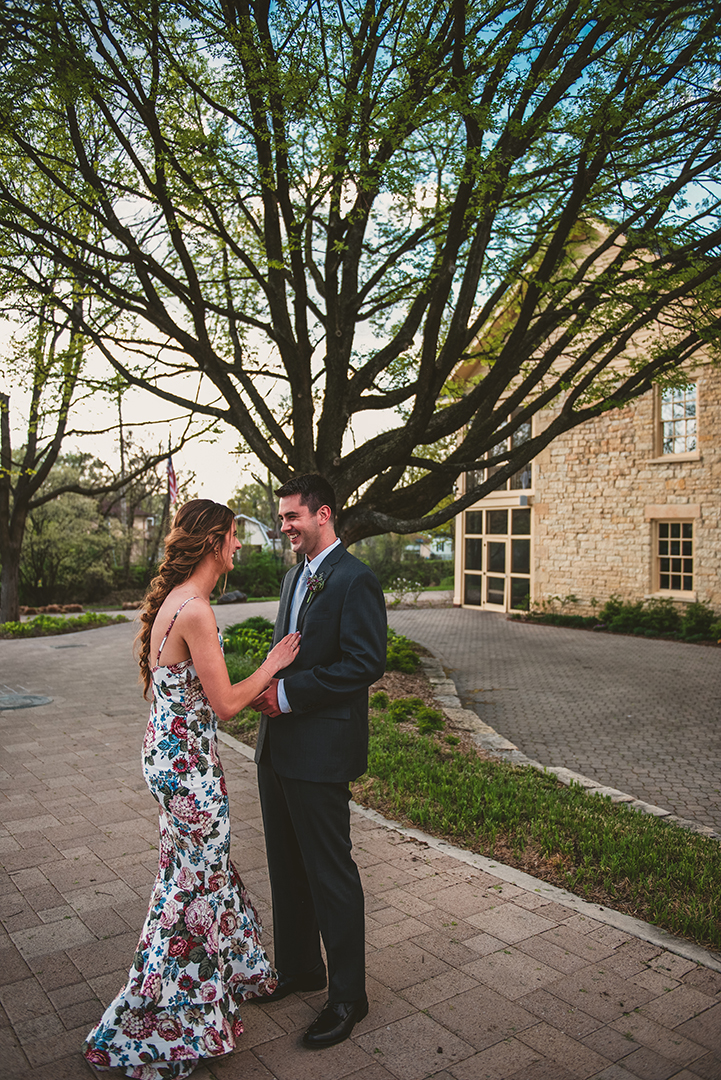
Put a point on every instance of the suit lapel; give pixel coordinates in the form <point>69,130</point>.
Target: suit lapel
<point>286,598</point>
<point>326,569</point>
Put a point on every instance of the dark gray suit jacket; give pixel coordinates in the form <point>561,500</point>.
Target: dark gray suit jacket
<point>342,651</point>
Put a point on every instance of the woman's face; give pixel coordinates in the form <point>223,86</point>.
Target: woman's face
<point>228,549</point>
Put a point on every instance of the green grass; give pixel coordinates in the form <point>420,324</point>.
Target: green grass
<point>599,850</point>
<point>47,625</point>
<point>246,644</point>
<point>418,773</point>
<point>245,723</point>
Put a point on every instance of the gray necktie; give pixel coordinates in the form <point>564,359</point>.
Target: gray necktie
<point>300,591</point>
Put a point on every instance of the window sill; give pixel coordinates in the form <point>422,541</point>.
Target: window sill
<point>670,459</point>
<point>671,594</point>
<point>505,498</point>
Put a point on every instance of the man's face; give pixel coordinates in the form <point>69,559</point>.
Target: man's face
<point>301,526</point>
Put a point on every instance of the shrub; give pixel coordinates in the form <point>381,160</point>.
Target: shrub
<point>401,656</point>
<point>404,587</point>
<point>662,616</point>
<point>379,700</point>
<point>404,708</point>
<point>429,720</point>
<point>258,573</point>
<point>620,617</point>
<point>251,638</point>
<point>698,618</point>
<point>46,625</point>
<point>412,708</point>
<point>659,615</point>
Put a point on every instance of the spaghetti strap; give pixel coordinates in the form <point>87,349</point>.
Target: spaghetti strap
<point>172,624</point>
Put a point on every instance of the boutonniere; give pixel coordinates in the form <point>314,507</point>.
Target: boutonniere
<point>314,585</point>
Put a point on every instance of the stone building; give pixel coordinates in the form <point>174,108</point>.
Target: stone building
<point>627,504</point>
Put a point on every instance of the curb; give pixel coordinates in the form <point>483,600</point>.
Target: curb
<point>618,920</point>
<point>496,745</point>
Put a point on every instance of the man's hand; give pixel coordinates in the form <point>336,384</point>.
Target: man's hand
<point>267,702</point>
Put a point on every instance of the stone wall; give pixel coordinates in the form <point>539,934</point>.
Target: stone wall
<point>598,490</point>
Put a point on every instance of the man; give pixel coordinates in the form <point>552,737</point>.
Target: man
<point>313,740</point>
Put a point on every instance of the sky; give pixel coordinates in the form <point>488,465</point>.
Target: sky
<point>214,459</point>
<point>219,469</point>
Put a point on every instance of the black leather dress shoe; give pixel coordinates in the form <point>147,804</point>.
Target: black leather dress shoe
<point>288,984</point>
<point>335,1022</point>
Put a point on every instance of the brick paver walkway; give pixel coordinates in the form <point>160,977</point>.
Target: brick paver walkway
<point>635,714</point>
<point>470,976</point>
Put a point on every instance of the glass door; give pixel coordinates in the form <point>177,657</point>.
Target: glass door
<point>497,559</point>
<point>496,572</point>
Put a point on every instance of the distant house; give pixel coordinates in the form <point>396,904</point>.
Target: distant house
<point>435,547</point>
<point>254,533</point>
<point>628,503</point>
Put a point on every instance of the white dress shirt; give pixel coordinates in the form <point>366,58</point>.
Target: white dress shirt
<point>309,569</point>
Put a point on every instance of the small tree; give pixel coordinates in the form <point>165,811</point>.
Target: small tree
<point>68,547</point>
<point>48,359</point>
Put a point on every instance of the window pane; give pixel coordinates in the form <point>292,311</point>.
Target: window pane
<point>495,590</point>
<point>520,556</point>
<point>521,522</point>
<point>472,590</point>
<point>496,521</point>
<point>521,435</point>
<point>474,478</point>
<point>520,590</point>
<point>675,555</point>
<point>473,554</point>
<point>523,479</point>
<point>496,451</point>
<point>678,419</point>
<point>474,522</point>
<point>497,557</point>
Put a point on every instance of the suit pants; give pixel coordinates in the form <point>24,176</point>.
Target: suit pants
<point>314,881</point>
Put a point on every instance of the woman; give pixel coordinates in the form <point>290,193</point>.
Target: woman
<point>199,954</point>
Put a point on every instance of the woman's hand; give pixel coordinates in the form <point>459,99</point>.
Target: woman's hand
<point>283,654</point>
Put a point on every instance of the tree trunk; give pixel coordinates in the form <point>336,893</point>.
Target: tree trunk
<point>10,585</point>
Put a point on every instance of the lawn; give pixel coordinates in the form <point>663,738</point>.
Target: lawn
<point>423,773</point>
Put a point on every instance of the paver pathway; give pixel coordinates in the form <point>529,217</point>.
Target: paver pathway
<point>470,976</point>
<point>636,714</point>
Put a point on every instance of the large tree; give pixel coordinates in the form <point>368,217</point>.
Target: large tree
<point>326,210</point>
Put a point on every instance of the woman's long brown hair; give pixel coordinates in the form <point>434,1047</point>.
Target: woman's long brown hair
<point>199,526</point>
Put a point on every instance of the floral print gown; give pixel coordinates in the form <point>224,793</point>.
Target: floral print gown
<point>199,954</point>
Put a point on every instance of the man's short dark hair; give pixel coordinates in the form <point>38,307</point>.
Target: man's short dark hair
<point>314,491</point>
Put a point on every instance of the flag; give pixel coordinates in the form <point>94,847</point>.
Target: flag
<point>172,483</point>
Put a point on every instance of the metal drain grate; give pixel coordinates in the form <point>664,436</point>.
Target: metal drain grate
<point>22,701</point>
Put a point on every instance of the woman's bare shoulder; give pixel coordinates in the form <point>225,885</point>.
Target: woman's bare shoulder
<point>184,609</point>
